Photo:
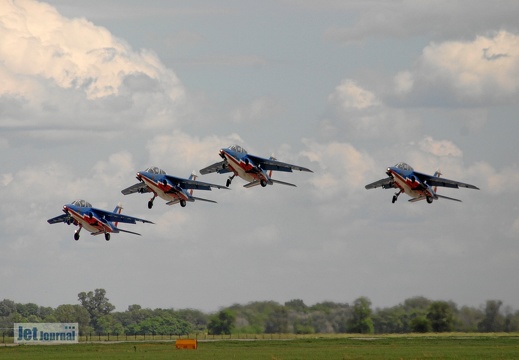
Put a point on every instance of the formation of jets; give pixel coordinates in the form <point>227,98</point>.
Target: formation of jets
<point>172,189</point>
<point>253,169</point>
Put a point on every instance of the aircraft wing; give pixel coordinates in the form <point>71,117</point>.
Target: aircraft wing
<point>139,187</point>
<point>437,181</point>
<point>270,164</point>
<point>59,219</point>
<point>219,167</point>
<point>193,184</point>
<point>114,217</point>
<point>386,183</point>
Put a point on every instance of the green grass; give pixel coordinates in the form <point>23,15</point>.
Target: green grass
<point>376,347</point>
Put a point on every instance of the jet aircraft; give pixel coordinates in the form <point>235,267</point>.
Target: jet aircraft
<point>82,214</point>
<point>417,185</point>
<point>170,188</point>
<point>249,167</point>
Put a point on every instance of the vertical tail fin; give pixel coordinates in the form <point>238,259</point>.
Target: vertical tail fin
<point>117,210</point>
<point>192,177</point>
<point>438,173</point>
<point>271,158</point>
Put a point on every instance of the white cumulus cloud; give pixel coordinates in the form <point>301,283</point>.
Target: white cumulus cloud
<point>483,70</point>
<point>38,43</point>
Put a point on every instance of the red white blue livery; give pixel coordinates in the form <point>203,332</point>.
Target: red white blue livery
<point>417,185</point>
<point>173,189</point>
<point>254,169</point>
<point>97,221</point>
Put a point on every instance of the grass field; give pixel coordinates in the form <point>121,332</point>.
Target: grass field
<point>375,347</point>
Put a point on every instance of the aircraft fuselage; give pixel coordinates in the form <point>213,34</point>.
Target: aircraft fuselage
<point>409,184</point>
<point>88,220</point>
<point>243,167</point>
<point>162,188</point>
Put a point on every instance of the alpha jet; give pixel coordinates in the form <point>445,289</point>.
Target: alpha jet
<point>170,188</point>
<point>97,221</point>
<point>415,184</point>
<point>249,167</point>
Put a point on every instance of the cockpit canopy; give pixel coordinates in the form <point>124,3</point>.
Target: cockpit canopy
<point>404,166</point>
<point>238,149</point>
<point>81,203</point>
<point>155,170</point>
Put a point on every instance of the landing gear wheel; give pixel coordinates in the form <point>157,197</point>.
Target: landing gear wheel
<point>76,236</point>
<point>150,204</point>
<point>183,203</point>
<point>395,197</point>
<point>229,180</point>
<point>107,236</point>
<point>263,183</point>
<point>429,199</point>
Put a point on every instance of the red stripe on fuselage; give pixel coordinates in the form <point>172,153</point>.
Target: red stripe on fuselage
<point>162,190</point>
<point>244,170</point>
<point>89,223</point>
<point>406,185</point>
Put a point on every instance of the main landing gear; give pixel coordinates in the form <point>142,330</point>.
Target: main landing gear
<point>150,203</point>
<point>395,197</point>
<point>229,180</point>
<point>76,233</point>
<point>107,236</point>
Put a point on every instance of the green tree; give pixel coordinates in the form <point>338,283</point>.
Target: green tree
<point>7,307</point>
<point>440,315</point>
<point>493,321</point>
<point>196,318</point>
<point>107,324</point>
<point>221,323</point>
<point>391,320</point>
<point>252,317</point>
<point>277,322</point>
<point>468,319</point>
<point>74,313</point>
<point>29,310</point>
<point>361,321</point>
<point>420,324</point>
<point>97,305</point>
<point>297,305</point>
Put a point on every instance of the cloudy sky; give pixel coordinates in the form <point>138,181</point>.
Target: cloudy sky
<point>92,92</point>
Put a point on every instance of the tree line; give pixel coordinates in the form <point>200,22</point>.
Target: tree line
<point>96,315</point>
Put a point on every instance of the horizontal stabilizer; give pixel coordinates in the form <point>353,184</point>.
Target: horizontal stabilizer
<point>201,199</point>
<point>272,181</point>
<point>126,231</point>
<point>448,198</point>
<point>282,182</point>
<point>437,196</point>
<point>251,184</point>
